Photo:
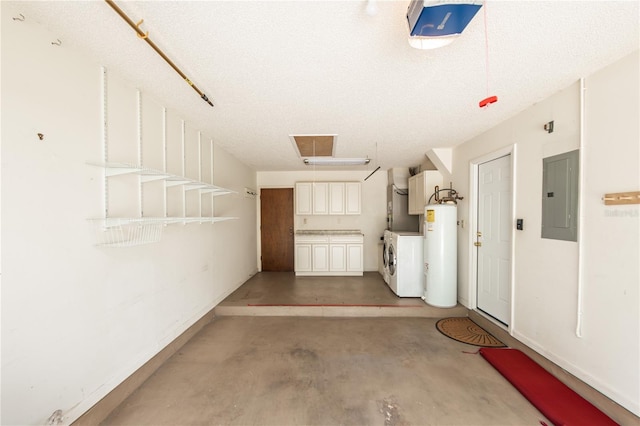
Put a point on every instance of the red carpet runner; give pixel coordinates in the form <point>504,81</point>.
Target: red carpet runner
<point>550,396</point>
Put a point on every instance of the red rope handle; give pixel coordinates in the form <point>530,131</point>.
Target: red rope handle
<point>486,44</point>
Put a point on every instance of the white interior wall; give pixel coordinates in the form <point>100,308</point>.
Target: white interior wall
<point>546,272</point>
<point>611,240</point>
<point>78,319</point>
<point>372,220</point>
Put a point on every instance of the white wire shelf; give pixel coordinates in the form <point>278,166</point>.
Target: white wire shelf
<point>127,235</point>
<point>136,231</point>
<point>150,175</point>
<point>111,222</point>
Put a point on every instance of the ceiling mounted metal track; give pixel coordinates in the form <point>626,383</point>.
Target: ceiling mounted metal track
<point>145,37</point>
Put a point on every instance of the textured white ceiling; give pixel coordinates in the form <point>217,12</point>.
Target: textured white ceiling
<point>277,68</point>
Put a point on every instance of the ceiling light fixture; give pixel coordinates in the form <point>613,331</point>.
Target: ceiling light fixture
<point>329,161</point>
<point>430,42</point>
<point>372,8</point>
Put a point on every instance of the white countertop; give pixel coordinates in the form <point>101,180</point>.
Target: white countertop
<point>329,232</point>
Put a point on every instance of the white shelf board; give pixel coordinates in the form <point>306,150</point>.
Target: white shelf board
<point>149,175</point>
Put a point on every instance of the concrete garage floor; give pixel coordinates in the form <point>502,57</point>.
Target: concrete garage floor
<point>282,293</point>
<point>318,370</point>
<point>325,371</point>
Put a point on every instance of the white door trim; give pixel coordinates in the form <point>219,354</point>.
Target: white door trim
<point>471,230</point>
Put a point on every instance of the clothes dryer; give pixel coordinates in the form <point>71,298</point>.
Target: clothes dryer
<point>406,257</point>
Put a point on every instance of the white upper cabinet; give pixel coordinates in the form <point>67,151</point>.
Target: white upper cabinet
<point>336,197</point>
<point>304,198</point>
<point>320,197</point>
<point>421,187</point>
<point>352,197</point>
<point>328,198</point>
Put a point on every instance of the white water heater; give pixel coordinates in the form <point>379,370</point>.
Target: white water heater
<point>440,255</point>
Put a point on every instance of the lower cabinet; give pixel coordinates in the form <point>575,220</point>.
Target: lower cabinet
<point>303,258</point>
<point>320,258</point>
<point>355,258</point>
<point>329,255</point>
<point>338,259</point>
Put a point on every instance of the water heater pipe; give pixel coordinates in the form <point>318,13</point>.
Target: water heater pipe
<point>581,178</point>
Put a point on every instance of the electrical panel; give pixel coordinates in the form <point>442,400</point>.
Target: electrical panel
<point>560,196</point>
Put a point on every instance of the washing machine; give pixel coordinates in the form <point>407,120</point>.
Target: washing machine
<point>386,242</point>
<point>406,257</point>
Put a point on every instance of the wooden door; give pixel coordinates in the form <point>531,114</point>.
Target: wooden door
<point>493,240</point>
<point>276,229</point>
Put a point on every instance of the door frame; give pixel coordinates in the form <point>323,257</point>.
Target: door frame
<point>474,166</point>
<point>259,224</point>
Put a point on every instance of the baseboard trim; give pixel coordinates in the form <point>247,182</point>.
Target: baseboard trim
<point>101,410</point>
<point>612,409</point>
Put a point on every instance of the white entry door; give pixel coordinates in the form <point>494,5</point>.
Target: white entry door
<point>493,238</point>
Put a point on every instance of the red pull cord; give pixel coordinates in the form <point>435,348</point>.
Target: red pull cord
<point>489,99</point>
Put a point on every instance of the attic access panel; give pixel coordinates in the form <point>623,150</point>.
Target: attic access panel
<point>314,145</point>
<point>440,19</point>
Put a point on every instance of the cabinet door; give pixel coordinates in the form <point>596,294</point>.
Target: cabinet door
<point>303,261</point>
<point>421,187</point>
<point>420,195</point>
<point>320,257</point>
<point>412,195</point>
<point>338,260</point>
<point>432,178</point>
<point>336,197</point>
<point>354,258</point>
<point>352,198</point>
<point>303,198</point>
<point>320,198</point>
